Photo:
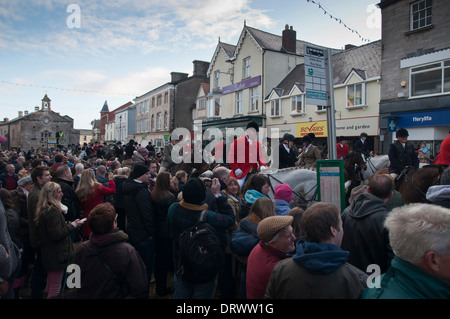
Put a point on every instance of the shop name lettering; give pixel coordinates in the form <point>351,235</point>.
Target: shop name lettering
<point>312,128</point>
<point>422,119</point>
<point>353,127</point>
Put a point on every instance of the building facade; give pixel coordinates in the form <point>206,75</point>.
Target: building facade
<point>415,87</point>
<point>41,129</point>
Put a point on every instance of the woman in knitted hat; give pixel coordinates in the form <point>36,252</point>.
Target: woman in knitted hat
<point>283,197</point>
<point>277,243</point>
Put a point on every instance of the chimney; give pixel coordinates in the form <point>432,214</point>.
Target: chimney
<point>289,39</point>
<point>26,112</point>
<point>6,119</point>
<point>20,113</point>
<point>200,67</point>
<point>178,76</point>
<point>36,108</point>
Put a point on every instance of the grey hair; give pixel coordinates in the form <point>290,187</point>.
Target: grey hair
<point>79,167</point>
<point>417,228</point>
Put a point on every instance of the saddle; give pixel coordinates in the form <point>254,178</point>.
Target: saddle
<point>402,175</point>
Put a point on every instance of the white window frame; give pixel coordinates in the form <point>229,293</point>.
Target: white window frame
<point>321,108</point>
<point>239,109</point>
<point>443,66</point>
<point>420,15</point>
<point>202,103</point>
<point>213,106</point>
<point>363,95</point>
<point>216,79</point>
<point>294,104</point>
<point>158,121</point>
<point>246,68</point>
<point>275,108</point>
<point>254,99</point>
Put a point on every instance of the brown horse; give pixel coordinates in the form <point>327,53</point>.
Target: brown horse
<point>354,165</point>
<point>414,184</point>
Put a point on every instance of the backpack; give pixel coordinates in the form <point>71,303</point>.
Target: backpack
<point>200,252</point>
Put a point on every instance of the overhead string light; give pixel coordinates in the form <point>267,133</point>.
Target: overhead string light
<point>325,12</point>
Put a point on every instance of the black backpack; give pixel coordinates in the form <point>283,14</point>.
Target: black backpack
<point>201,252</point>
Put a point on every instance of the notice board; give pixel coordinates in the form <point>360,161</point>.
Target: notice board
<point>331,183</point>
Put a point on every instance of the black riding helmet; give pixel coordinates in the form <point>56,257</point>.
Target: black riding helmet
<point>402,132</point>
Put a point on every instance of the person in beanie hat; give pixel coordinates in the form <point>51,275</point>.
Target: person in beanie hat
<point>283,197</point>
<point>401,154</point>
<point>277,243</point>
<point>185,214</point>
<point>246,154</point>
<point>140,216</point>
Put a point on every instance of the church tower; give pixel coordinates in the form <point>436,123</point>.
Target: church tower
<point>46,104</point>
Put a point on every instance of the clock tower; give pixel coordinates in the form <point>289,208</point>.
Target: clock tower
<point>46,104</point>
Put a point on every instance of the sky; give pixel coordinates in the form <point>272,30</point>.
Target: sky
<point>83,52</point>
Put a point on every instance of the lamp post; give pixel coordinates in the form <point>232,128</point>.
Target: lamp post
<point>120,128</point>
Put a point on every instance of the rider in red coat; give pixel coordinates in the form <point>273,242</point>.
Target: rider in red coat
<point>246,154</point>
<point>342,148</point>
<point>443,158</point>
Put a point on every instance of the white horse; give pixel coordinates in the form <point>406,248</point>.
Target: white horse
<point>374,164</point>
<point>302,181</point>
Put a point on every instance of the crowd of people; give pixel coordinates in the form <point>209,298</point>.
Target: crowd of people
<point>120,219</point>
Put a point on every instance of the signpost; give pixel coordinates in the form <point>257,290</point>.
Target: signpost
<point>319,88</point>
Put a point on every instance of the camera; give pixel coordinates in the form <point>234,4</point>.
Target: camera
<point>207,182</point>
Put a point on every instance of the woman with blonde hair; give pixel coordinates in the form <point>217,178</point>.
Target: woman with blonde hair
<point>90,193</point>
<point>54,235</point>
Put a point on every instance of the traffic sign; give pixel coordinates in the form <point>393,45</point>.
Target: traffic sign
<point>315,76</point>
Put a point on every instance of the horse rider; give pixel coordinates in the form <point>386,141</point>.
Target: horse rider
<point>362,145</point>
<point>286,153</point>
<point>342,149</point>
<point>402,154</point>
<point>310,154</point>
<point>246,154</point>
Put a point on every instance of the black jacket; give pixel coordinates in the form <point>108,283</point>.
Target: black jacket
<point>364,234</point>
<point>286,159</point>
<point>69,199</point>
<point>361,147</point>
<point>400,157</point>
<point>160,210</point>
<point>139,209</point>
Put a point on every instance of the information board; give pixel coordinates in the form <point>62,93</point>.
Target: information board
<point>315,76</point>
<point>331,183</point>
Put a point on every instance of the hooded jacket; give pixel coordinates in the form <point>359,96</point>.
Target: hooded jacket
<point>403,280</point>
<point>139,208</point>
<point>364,234</point>
<point>439,195</point>
<point>123,260</point>
<point>317,270</point>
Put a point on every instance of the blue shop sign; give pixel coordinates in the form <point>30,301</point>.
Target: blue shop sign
<point>421,119</point>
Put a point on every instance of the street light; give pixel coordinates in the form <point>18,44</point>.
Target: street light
<point>120,128</point>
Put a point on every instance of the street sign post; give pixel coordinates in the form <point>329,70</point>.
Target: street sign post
<point>319,88</point>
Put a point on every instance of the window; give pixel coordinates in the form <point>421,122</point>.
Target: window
<point>214,107</point>
<point>420,14</point>
<point>275,108</point>
<point>430,79</point>
<point>159,100</point>
<point>152,123</point>
<point>355,95</point>
<point>216,79</point>
<point>202,103</point>
<point>166,98</point>
<point>253,99</point>
<point>297,105</point>
<point>158,121</point>
<point>153,101</point>
<point>320,108</point>
<point>166,120</point>
<point>239,102</point>
<point>246,68</point>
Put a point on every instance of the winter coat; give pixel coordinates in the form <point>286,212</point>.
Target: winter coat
<point>342,150</point>
<point>54,236</point>
<point>245,238</point>
<point>20,205</point>
<point>69,199</point>
<point>318,271</point>
<point>362,147</point>
<point>160,213</point>
<point>4,178</point>
<point>183,215</point>
<point>308,158</point>
<point>439,195</point>
<point>118,196</point>
<point>400,157</point>
<point>287,159</point>
<point>443,157</point>
<point>140,212</point>
<point>365,236</point>
<point>282,207</point>
<point>93,200</point>
<point>9,252</point>
<point>245,157</point>
<point>404,280</point>
<point>33,199</point>
<point>260,264</point>
<point>122,259</point>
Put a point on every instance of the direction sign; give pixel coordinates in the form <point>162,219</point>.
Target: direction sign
<point>315,76</point>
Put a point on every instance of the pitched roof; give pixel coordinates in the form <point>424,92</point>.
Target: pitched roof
<point>295,77</point>
<point>105,107</point>
<point>365,60</point>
